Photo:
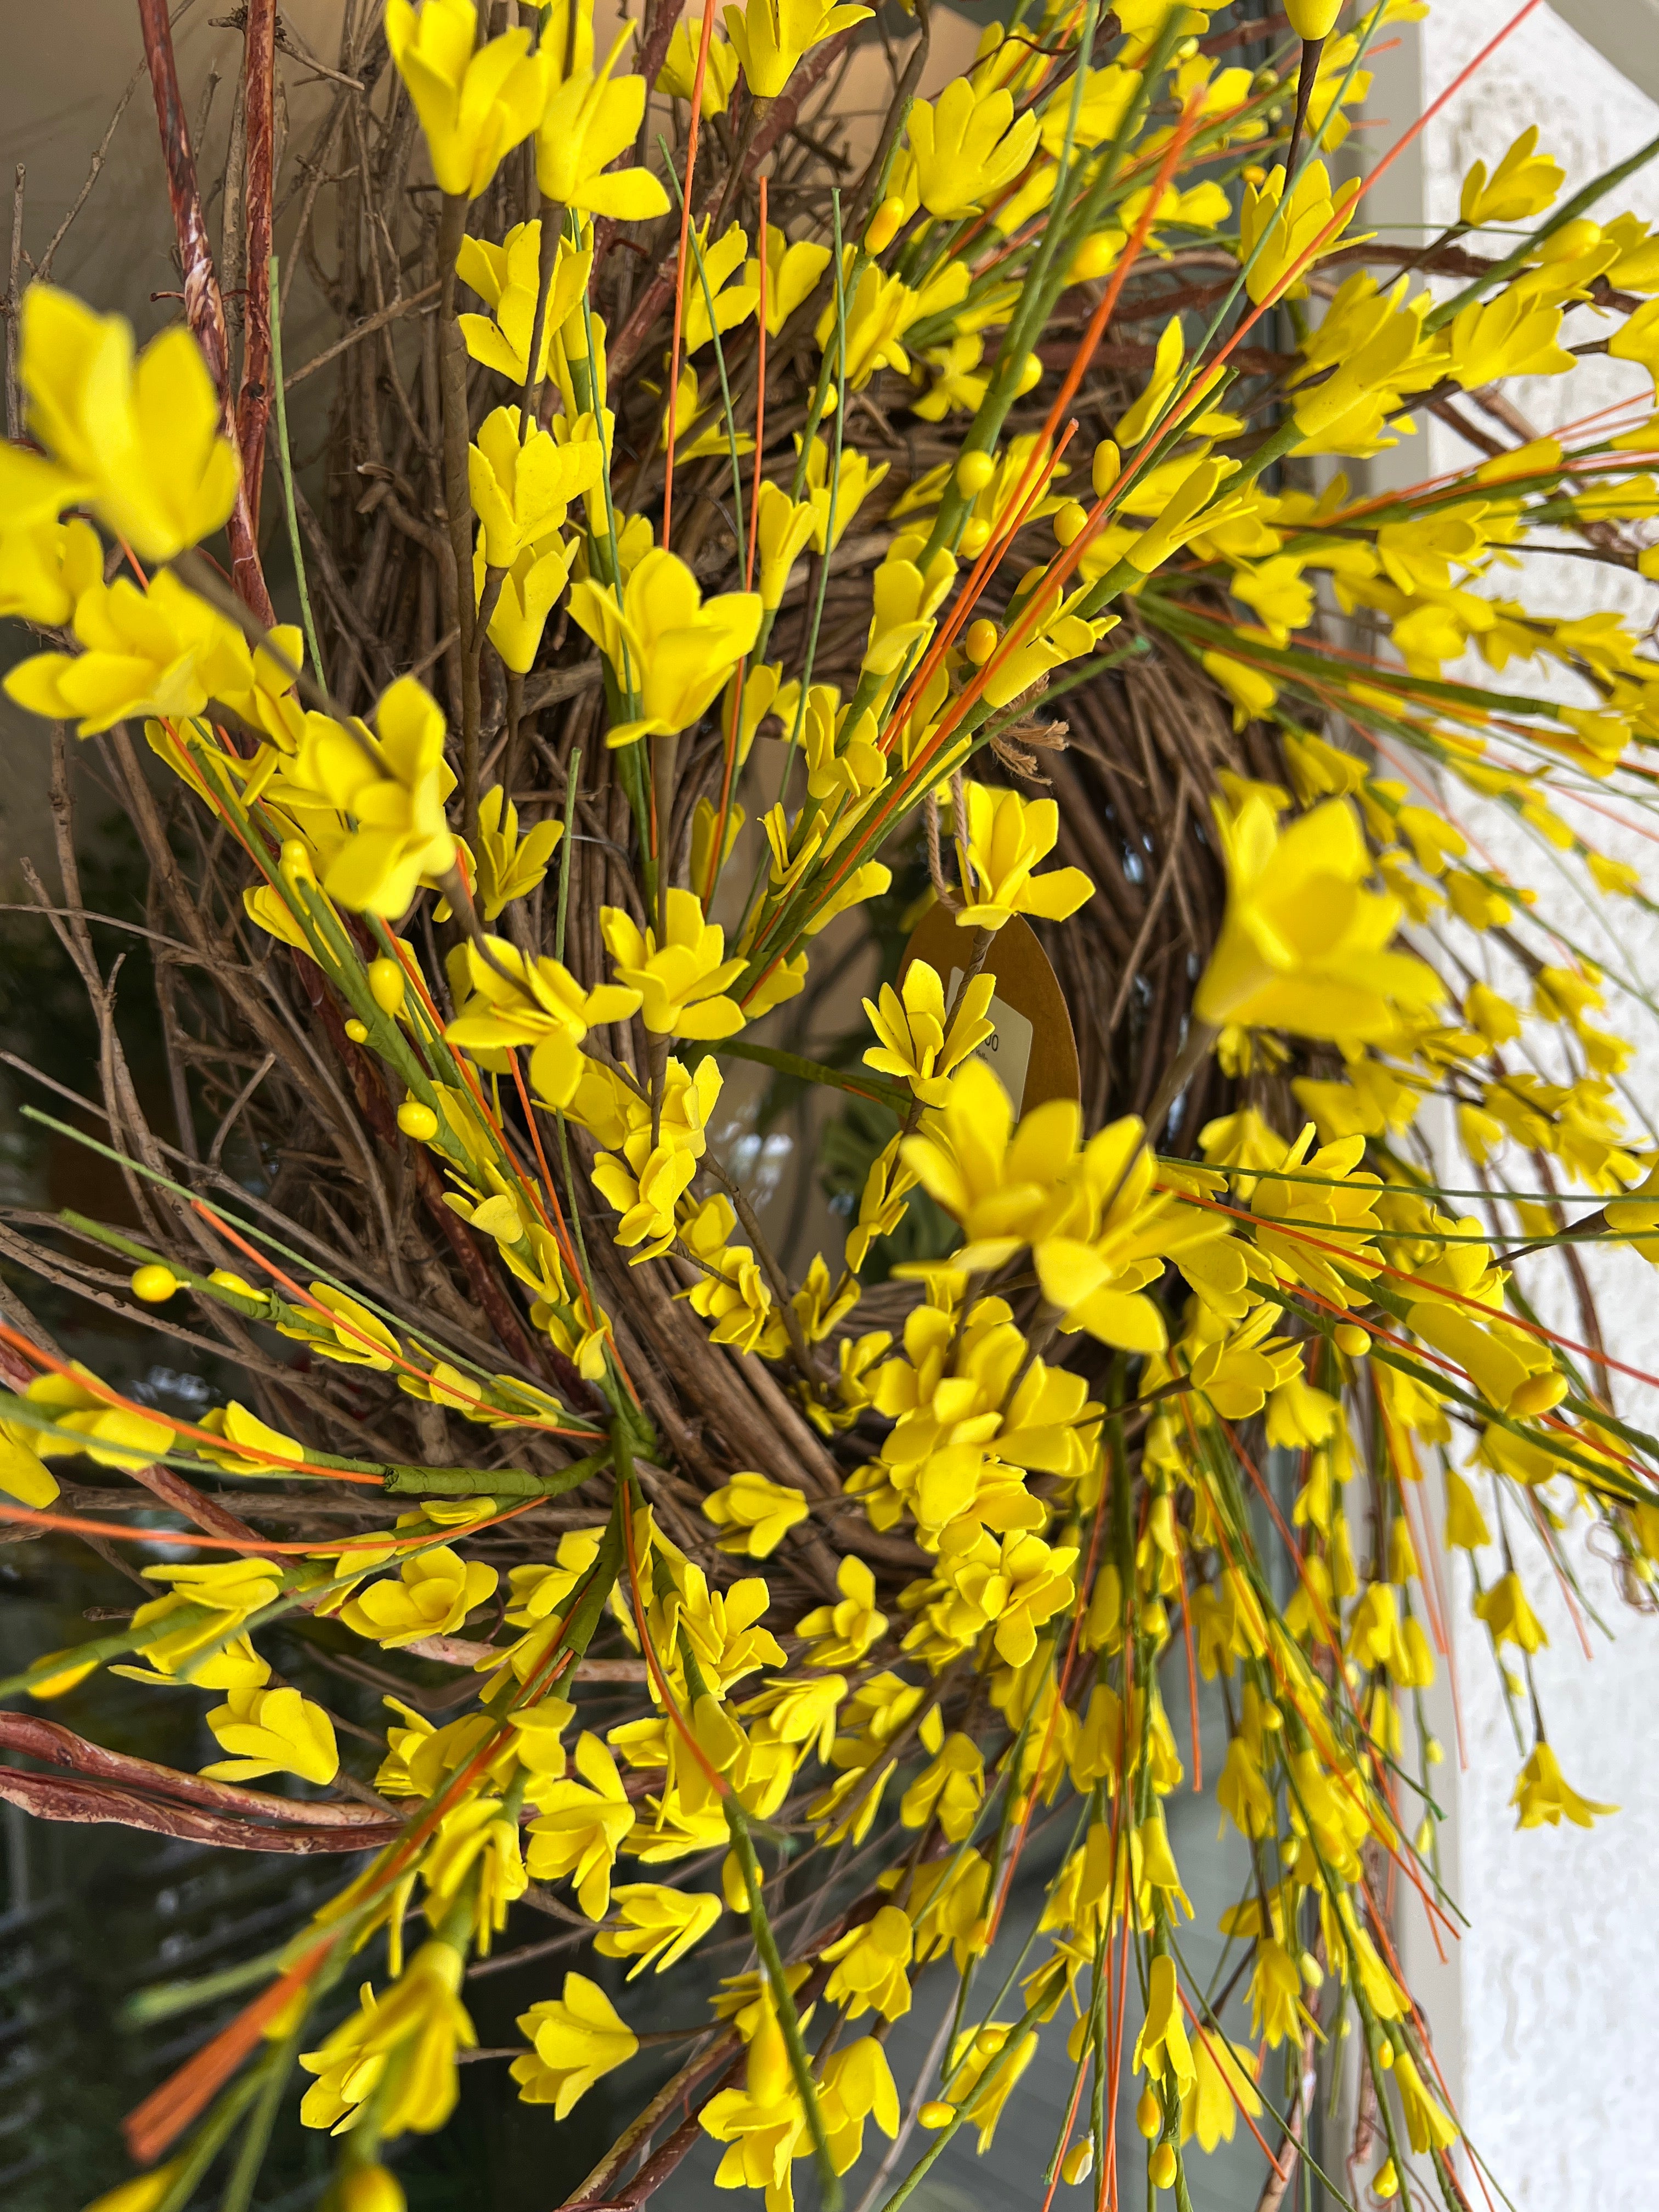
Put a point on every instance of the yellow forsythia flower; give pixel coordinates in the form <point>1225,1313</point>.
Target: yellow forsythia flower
<point>681,982</point>
<point>665,643</point>
<point>678,73</point>
<point>476,103</point>
<point>433,1596</point>
<point>273,1732</point>
<point>771,36</point>
<point>581,1827</point>
<point>1006,836</point>
<point>757,1514</point>
<point>410,2035</point>
<point>577,2037</point>
<point>1544,1795</point>
<point>967,145</point>
<point>508,279</point>
<point>1523,184</point>
<point>588,120</point>
<point>1303,946</point>
<point>140,442</point>
<point>659,1924</point>
<point>914,1044</point>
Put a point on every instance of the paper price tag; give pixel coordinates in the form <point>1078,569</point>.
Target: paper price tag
<point>1007,1050</point>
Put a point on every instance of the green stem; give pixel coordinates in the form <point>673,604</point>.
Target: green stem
<point>286,464</point>
<point>829,2196</point>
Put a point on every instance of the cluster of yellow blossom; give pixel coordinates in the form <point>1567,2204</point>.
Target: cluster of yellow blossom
<point>1055,1461</point>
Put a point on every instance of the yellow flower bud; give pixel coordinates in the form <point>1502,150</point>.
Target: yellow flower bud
<point>974,472</point>
<point>1077,2163</point>
<point>1030,375</point>
<point>884,226</point>
<point>154,1284</point>
<point>1352,1339</point>
<point>1149,2113</point>
<point>370,2189</point>
<point>1387,2183</point>
<point>145,2191</point>
<point>1068,523</point>
<point>936,2113</point>
<point>387,982</point>
<point>357,1031</point>
<point>1313,19</point>
<point>975,539</point>
<point>981,641</point>
<point>295,860</point>
<point>1161,2166</point>
<point>417,1121</point>
<point>1093,257</point>
<point>1108,464</point>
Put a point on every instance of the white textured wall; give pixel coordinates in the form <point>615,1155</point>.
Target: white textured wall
<point>1546,2018</point>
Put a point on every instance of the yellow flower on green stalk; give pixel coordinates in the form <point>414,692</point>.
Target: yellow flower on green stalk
<point>431,1597</point>
<point>394,782</point>
<point>408,2040</point>
<point>659,1925</point>
<point>783,532</point>
<point>1523,184</point>
<point>913,1043</point>
<point>772,36</point>
<point>522,487</point>
<point>1289,233</point>
<point>46,566</point>
<point>678,74</point>
<point>578,2037</point>
<point>476,102</point>
<point>581,1826</point>
<point>986,2063</point>
<point>844,1631</point>
<point>1544,1795</point>
<point>273,1732</point>
<point>1304,946</point>
<point>530,590</point>
<point>952,1789</point>
<point>1007,837</point>
<point>756,1513</point>
<point>510,866</point>
<point>671,649</point>
<point>1162,2047</point>
<point>506,279</point>
<point>110,1436</point>
<point>856,2085</point>
<point>967,145</point>
<point>854,481</point>
<point>1428,2126</point>
<point>23,1474</point>
<point>140,442</point>
<point>878,313</point>
<point>717,271</point>
<point>872,1963</point>
<point>1223,2086</point>
<point>792,277</point>
<point>163,652</point>
<point>1509,1615</point>
<point>589,119</point>
<point>681,982</point>
<point>1510,336</point>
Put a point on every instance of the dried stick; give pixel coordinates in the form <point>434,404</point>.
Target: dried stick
<point>205,310</point>
<point>260,127</point>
